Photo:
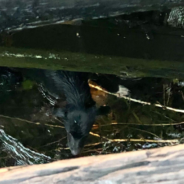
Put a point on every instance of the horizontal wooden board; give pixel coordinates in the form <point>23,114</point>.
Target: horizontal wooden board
<point>162,165</point>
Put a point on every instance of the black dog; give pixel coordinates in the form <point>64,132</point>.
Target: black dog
<point>73,103</point>
<point>80,111</point>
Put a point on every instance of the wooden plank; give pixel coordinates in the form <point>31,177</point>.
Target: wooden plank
<point>29,13</point>
<point>162,165</point>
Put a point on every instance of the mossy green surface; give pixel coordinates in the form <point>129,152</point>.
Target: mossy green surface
<point>64,60</point>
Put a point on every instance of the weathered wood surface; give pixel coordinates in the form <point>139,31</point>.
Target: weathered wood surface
<point>28,13</point>
<point>163,165</point>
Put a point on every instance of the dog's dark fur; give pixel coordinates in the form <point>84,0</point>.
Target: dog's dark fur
<point>75,106</point>
<point>80,111</point>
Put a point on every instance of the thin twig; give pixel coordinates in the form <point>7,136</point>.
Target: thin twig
<point>145,132</point>
<point>130,140</point>
<point>137,101</point>
<point>145,124</point>
<point>59,120</point>
<point>55,126</point>
<point>156,112</point>
<point>53,142</point>
<point>137,118</point>
<point>27,121</point>
<point>96,135</point>
<point>164,94</point>
<point>145,140</point>
<point>19,119</point>
<point>137,140</point>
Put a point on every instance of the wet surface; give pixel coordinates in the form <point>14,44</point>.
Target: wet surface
<point>135,114</point>
<point>48,115</point>
<point>33,13</point>
<point>144,44</point>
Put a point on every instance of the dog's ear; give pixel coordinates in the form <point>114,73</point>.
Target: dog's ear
<point>103,110</point>
<point>59,112</point>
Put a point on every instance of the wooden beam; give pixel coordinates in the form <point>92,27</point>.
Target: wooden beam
<point>111,50</point>
<point>162,165</point>
<point>147,49</point>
